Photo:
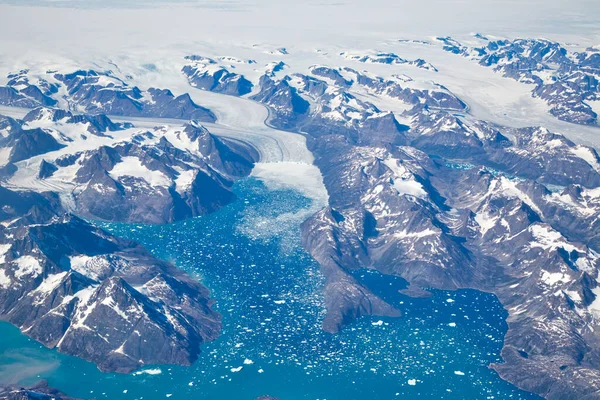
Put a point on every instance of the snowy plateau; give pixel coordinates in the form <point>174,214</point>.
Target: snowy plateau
<point>449,146</point>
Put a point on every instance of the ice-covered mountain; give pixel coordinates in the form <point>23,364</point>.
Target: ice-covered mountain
<point>116,172</point>
<point>204,73</point>
<point>95,92</point>
<point>418,188</point>
<point>566,80</point>
<point>388,58</point>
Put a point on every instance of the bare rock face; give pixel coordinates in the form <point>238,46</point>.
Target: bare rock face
<point>80,290</point>
<point>40,391</point>
<point>22,144</point>
<point>204,73</point>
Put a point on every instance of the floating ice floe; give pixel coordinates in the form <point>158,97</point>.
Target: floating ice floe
<point>153,371</point>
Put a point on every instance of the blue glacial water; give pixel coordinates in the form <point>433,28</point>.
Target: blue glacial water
<point>268,290</point>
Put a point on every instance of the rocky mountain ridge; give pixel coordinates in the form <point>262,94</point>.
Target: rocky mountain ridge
<point>116,172</point>
<point>76,288</point>
<point>98,92</point>
<point>566,80</point>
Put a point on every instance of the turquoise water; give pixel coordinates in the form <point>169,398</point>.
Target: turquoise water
<point>494,172</point>
<point>268,290</point>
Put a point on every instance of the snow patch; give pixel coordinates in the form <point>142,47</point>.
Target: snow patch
<point>92,267</point>
<point>132,166</point>
<point>27,266</point>
<point>552,278</point>
<point>404,181</point>
<point>50,283</point>
<point>485,222</point>
<point>510,189</point>
<point>594,307</point>
<point>4,155</point>
<point>3,250</point>
<point>588,155</point>
<point>595,105</point>
<point>5,281</point>
<point>184,180</point>
<point>549,239</point>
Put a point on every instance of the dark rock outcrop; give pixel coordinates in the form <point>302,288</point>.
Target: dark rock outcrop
<point>27,143</point>
<point>40,391</point>
<point>204,73</point>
